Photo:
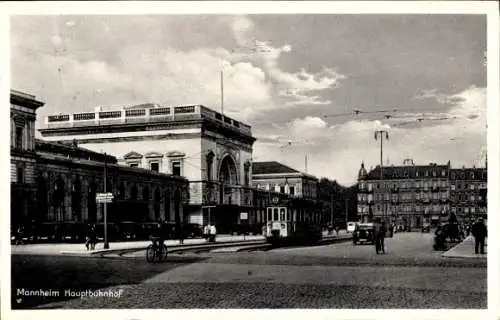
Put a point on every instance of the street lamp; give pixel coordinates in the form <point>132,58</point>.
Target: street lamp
<point>106,243</point>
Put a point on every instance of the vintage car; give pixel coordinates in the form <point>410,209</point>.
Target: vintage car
<point>192,230</point>
<point>426,227</point>
<point>364,232</point>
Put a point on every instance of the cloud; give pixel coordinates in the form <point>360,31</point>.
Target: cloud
<point>295,98</point>
<point>337,150</point>
<point>292,86</point>
<point>155,71</point>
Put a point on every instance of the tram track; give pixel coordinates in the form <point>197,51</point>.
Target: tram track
<point>232,247</point>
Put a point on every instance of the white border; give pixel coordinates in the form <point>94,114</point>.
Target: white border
<point>476,7</point>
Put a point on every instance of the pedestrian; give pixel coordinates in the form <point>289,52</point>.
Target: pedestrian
<point>93,237</point>
<point>479,232</point>
<point>439,238</point>
<point>337,229</point>
<point>20,235</point>
<point>379,233</point>
<point>87,238</point>
<point>181,235</point>
<point>206,231</point>
<point>213,233</point>
<point>160,234</point>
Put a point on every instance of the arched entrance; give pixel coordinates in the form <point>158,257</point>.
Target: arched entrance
<point>227,171</point>
<point>227,213</point>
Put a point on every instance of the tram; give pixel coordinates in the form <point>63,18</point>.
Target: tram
<point>286,226</point>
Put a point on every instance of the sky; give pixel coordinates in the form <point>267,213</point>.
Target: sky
<point>311,86</point>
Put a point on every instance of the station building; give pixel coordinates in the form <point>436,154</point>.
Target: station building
<point>23,109</point>
<point>209,149</point>
<point>55,184</point>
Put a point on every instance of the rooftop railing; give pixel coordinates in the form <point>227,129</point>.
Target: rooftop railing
<point>142,115</point>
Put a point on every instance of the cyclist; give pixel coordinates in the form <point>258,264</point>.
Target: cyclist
<point>160,238</point>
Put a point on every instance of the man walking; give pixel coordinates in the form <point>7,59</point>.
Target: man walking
<point>379,234</point>
<point>479,232</point>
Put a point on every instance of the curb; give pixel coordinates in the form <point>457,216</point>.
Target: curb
<point>450,254</point>
<point>175,248</point>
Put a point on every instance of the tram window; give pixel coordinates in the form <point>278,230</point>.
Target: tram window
<point>282,214</point>
<point>269,214</point>
<point>276,215</point>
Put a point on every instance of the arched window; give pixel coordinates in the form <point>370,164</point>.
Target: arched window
<point>167,206</point>
<point>177,207</point>
<point>157,201</point>
<point>59,192</point>
<point>91,202</point>
<point>76,199</point>
<point>210,160</point>
<point>145,194</point>
<point>121,190</point>
<point>133,192</point>
<point>41,199</point>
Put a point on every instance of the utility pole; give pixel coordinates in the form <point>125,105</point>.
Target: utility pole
<point>331,210</point>
<point>382,134</point>
<point>106,243</point>
<point>346,211</point>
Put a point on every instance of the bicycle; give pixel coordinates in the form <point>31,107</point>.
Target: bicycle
<point>153,251</point>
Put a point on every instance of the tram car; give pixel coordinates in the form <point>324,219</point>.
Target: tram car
<point>285,226</point>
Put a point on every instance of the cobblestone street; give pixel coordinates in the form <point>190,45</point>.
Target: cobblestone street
<point>333,276</point>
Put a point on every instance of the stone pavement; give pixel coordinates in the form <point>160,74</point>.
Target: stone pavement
<point>465,249</point>
<point>79,248</point>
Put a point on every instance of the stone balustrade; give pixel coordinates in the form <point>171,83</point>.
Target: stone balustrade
<point>155,113</point>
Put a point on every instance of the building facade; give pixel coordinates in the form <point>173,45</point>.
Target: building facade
<point>59,182</point>
<point>300,188</point>
<point>209,149</point>
<point>68,179</point>
<point>409,194</point>
<point>468,190</point>
<point>22,154</point>
<point>417,194</point>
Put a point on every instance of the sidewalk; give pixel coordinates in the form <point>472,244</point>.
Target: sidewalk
<point>465,249</point>
<point>80,250</point>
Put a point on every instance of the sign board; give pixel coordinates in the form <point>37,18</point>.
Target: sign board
<point>243,215</point>
<point>104,200</point>
<point>104,197</point>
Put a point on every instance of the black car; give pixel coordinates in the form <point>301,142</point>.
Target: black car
<point>426,228</point>
<point>193,230</point>
<point>364,232</point>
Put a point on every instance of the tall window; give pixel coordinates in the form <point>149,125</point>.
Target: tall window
<point>157,201</point>
<point>20,175</point>
<point>210,160</point>
<point>176,168</point>
<point>19,137</point>
<point>155,166</point>
<point>292,190</point>
<point>76,199</point>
